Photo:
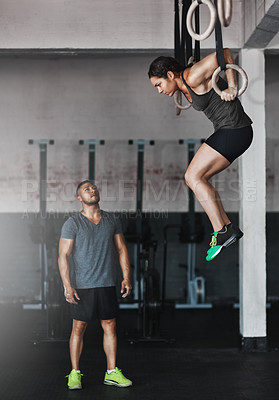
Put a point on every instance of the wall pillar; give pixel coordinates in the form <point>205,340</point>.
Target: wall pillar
<point>253,209</point>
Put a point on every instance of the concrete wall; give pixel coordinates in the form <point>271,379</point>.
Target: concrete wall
<point>254,12</point>
<point>260,22</point>
<point>105,97</point>
<point>100,24</point>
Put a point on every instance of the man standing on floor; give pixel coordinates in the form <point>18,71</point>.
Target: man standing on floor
<point>93,238</point>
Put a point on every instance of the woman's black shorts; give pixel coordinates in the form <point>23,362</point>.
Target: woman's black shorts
<point>100,303</point>
<point>231,143</point>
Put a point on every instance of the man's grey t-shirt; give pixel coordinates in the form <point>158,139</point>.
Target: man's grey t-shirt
<point>94,255</point>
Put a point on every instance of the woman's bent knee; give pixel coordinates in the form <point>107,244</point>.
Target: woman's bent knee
<point>187,177</point>
<point>191,179</point>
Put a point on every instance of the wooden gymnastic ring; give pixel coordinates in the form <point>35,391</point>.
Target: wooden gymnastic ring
<point>177,111</point>
<point>177,97</point>
<point>236,68</point>
<point>211,26</point>
<point>191,60</point>
<point>224,8</point>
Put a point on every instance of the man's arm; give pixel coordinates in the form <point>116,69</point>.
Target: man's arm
<point>65,249</point>
<point>124,261</point>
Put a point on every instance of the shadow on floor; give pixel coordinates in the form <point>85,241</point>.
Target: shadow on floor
<point>204,362</point>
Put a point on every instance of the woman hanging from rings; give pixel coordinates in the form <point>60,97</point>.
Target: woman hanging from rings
<point>231,138</point>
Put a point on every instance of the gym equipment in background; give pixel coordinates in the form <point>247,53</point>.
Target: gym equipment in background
<point>51,287</point>
<point>92,143</point>
<point>146,276</point>
<point>138,228</point>
<point>191,232</point>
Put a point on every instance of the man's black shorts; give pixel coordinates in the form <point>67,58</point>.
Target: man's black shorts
<point>100,303</point>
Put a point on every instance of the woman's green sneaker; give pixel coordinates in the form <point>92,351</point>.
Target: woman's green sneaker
<point>220,240</point>
<point>116,378</point>
<point>74,379</point>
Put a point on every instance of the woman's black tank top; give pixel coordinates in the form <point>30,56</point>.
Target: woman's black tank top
<point>223,114</point>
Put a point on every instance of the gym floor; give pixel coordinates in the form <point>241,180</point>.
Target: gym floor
<point>204,362</point>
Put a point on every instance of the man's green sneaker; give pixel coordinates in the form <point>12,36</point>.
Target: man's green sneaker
<point>220,240</point>
<point>116,378</point>
<point>74,379</point>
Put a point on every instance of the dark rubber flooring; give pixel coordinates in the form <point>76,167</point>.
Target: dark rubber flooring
<point>205,361</point>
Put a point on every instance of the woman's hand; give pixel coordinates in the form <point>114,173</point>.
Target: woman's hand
<point>229,94</point>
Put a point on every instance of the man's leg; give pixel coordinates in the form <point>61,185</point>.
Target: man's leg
<point>114,375</point>
<point>110,341</point>
<point>76,342</point>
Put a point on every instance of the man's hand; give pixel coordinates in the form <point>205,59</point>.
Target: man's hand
<point>70,295</point>
<point>126,287</point>
<point>229,94</point>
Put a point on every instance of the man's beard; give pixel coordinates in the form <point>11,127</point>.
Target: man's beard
<point>92,202</point>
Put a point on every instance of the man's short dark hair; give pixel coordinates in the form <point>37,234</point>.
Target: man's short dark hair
<point>82,183</point>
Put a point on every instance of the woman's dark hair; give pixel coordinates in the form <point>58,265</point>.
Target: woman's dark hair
<point>161,65</point>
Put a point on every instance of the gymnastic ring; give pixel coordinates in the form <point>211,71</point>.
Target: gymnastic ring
<point>177,111</point>
<point>224,8</point>
<point>211,26</point>
<point>177,97</point>
<point>191,60</point>
<point>236,68</point>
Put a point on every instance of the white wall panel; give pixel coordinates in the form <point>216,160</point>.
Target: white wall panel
<point>111,98</point>
<point>104,98</point>
<point>108,24</point>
